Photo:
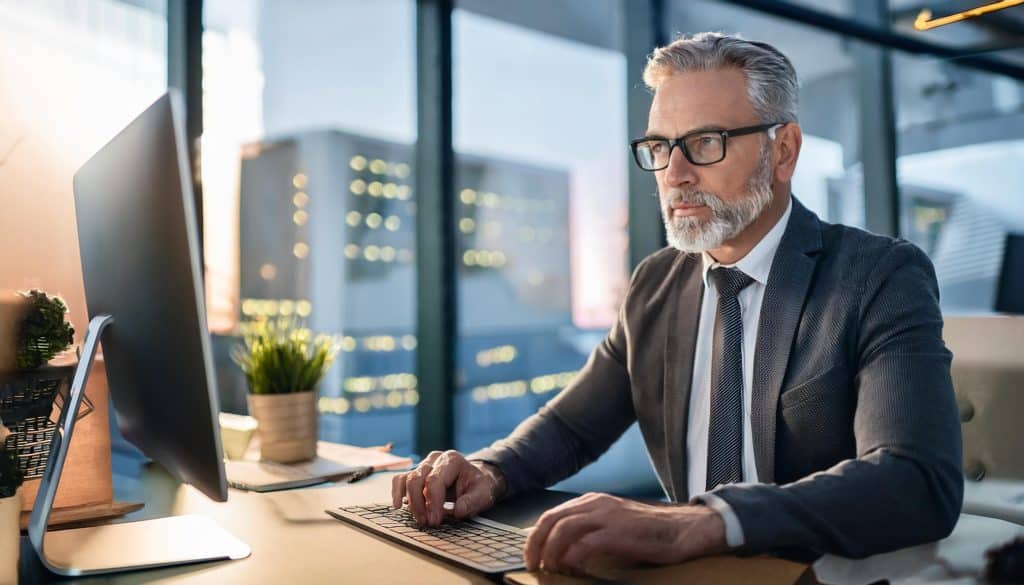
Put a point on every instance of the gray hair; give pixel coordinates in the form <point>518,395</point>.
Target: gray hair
<point>771,80</point>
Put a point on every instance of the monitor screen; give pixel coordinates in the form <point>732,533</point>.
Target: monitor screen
<point>137,231</point>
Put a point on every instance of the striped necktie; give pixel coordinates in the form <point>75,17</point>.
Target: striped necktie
<point>725,428</point>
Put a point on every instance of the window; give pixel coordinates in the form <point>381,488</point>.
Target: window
<point>308,144</point>
<point>541,211</point>
<point>846,9</point>
<point>961,143</point>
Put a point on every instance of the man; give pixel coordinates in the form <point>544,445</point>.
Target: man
<point>788,375</point>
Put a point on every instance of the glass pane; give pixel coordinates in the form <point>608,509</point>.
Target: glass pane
<point>995,34</point>
<point>542,155</point>
<point>847,9</point>
<point>309,210</point>
<point>72,75</point>
<point>828,178</point>
<point>961,143</point>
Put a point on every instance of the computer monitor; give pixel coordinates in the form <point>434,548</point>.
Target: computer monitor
<point>138,237</point>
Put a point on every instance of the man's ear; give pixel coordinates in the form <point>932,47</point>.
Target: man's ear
<point>787,149</point>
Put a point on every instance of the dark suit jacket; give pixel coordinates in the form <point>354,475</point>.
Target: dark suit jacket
<point>855,427</point>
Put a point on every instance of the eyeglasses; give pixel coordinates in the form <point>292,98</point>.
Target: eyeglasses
<point>703,147</point>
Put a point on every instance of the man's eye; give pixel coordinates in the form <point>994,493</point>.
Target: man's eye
<point>656,147</point>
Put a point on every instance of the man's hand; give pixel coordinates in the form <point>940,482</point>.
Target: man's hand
<point>474,487</point>
<point>572,536</point>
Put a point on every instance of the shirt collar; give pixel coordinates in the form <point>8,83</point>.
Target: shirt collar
<point>757,264</point>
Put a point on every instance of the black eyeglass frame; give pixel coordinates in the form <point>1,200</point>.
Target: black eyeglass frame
<point>680,142</point>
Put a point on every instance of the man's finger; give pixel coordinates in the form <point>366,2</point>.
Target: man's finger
<point>446,471</point>
<point>475,499</point>
<point>434,491</point>
<point>397,490</point>
<point>591,552</point>
<point>432,458</point>
<point>546,522</point>
<point>566,531</point>
<point>414,490</point>
<point>576,555</point>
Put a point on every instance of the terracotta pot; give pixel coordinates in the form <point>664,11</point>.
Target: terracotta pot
<point>287,425</point>
<point>10,538</point>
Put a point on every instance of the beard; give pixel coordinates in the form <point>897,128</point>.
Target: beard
<point>695,235</point>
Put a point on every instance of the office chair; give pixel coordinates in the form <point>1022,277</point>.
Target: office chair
<point>988,375</point>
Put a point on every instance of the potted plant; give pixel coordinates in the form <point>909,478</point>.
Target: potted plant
<point>283,362</point>
<point>10,512</point>
<point>33,329</point>
<point>44,333</point>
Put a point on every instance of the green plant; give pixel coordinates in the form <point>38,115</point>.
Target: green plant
<point>44,333</point>
<point>279,356</point>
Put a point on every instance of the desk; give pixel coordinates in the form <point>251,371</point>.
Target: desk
<point>294,542</point>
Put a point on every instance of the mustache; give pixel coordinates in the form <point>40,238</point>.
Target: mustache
<point>679,197</point>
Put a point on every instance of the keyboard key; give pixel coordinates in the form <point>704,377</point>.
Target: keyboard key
<point>404,530</point>
<point>431,541</point>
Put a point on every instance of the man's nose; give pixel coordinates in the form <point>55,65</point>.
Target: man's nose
<point>679,171</point>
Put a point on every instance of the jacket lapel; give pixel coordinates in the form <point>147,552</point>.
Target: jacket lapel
<point>681,341</point>
<point>788,283</point>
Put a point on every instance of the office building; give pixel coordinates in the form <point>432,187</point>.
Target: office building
<point>326,236</point>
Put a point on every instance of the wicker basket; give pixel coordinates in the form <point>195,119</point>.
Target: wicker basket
<point>26,407</point>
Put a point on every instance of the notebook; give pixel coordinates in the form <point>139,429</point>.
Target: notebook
<point>334,461</point>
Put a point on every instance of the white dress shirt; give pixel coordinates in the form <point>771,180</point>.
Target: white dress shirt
<point>757,264</point>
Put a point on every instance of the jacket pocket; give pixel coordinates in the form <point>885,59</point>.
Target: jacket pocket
<point>816,388</point>
<point>815,425</point>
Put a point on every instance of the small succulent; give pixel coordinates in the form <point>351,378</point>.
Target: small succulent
<point>44,333</point>
<point>279,356</point>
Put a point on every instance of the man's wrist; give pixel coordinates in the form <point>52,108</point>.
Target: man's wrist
<point>494,472</point>
<point>734,537</point>
<point>711,526</point>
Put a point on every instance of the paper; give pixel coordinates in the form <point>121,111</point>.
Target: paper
<point>361,456</point>
<point>333,461</point>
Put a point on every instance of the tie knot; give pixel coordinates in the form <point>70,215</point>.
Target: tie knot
<point>730,281</point>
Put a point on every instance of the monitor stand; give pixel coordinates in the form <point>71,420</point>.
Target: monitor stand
<point>127,546</point>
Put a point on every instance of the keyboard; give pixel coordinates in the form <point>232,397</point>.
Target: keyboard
<point>480,544</point>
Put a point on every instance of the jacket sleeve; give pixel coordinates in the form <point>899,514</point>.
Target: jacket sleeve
<point>576,426</point>
<point>905,486</point>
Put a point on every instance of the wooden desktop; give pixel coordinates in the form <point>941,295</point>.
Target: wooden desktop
<point>292,539</point>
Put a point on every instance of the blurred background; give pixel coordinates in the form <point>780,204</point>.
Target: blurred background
<point>319,126</point>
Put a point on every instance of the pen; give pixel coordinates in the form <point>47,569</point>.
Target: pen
<point>360,473</point>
